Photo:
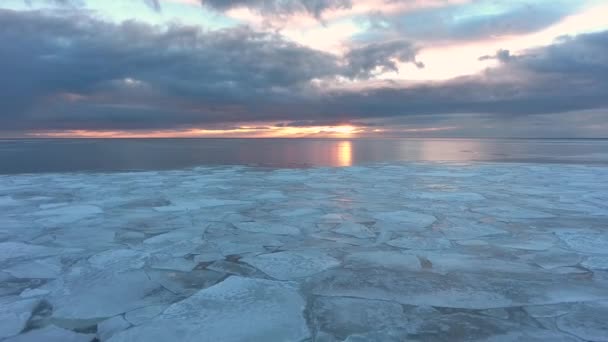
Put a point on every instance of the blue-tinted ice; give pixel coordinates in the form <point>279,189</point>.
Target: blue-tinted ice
<point>388,252</point>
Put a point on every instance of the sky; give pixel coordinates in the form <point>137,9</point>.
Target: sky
<point>304,68</point>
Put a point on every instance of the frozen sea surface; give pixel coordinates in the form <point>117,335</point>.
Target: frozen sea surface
<point>385,252</point>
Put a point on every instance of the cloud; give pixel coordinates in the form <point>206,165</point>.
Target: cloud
<point>503,56</point>
<point>153,4</point>
<point>72,3</point>
<point>473,20</point>
<point>279,7</point>
<point>76,72</point>
<point>365,60</point>
<point>46,57</point>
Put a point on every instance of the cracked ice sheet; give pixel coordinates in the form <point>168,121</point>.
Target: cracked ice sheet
<point>477,236</point>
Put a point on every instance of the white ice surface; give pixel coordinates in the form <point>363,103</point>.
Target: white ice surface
<point>237,309</point>
<point>416,251</point>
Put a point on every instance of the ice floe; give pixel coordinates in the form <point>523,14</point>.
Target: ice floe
<point>586,321</point>
<point>292,264</point>
<point>354,229</point>
<point>237,309</point>
<point>406,218</point>
<point>52,333</point>
<point>14,315</point>
<point>111,326</point>
<point>585,241</point>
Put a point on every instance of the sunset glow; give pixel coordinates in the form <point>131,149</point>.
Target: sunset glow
<point>300,68</point>
<point>239,132</point>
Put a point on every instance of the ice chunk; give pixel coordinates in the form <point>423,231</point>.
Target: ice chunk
<point>237,309</point>
<point>208,256</point>
<point>342,317</point>
<point>461,229</point>
<point>119,260</point>
<point>95,236</point>
<point>67,214</point>
<point>294,212</point>
<point>389,259</point>
<point>469,327</point>
<point>596,263</point>
<point>354,229</point>
<point>447,196</point>
<point>453,173</point>
<point>528,242</point>
<point>142,315</point>
<point>14,250</point>
<point>268,227</point>
<point>553,258</point>
<point>555,310</point>
<point>110,327</point>
<point>292,264</point>
<point>178,264</point>
<point>420,242</point>
<point>14,315</point>
<point>454,289</point>
<point>406,218</point>
<point>331,218</point>
<point>413,288</point>
<point>270,195</point>
<point>173,237</point>
<point>185,283</point>
<point>587,321</point>
<point>246,243</point>
<point>472,243</point>
<point>90,294</point>
<point>197,203</point>
<point>52,333</point>
<point>39,269</point>
<point>338,240</point>
<point>585,241</point>
<point>511,212</point>
<point>445,262</point>
<point>31,293</point>
<point>230,267</point>
<point>7,201</point>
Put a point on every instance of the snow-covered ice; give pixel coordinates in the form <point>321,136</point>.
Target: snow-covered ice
<point>385,252</point>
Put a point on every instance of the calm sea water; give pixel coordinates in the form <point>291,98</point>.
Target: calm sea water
<point>69,155</point>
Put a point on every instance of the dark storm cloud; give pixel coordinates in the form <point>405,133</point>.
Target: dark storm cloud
<point>80,73</point>
<point>363,60</point>
<point>315,7</point>
<point>47,58</point>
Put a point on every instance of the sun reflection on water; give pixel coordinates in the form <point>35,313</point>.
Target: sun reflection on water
<point>344,153</point>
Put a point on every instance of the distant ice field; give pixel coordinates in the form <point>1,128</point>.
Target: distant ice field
<point>395,251</point>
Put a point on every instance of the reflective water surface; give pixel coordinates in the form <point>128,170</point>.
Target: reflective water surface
<point>66,155</point>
